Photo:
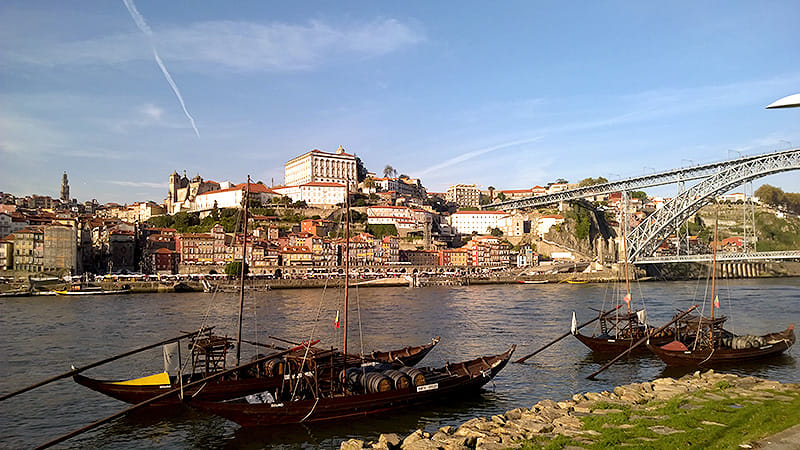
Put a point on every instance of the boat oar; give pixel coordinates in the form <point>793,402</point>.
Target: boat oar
<point>98,363</point>
<point>640,342</point>
<point>166,394</point>
<point>524,358</point>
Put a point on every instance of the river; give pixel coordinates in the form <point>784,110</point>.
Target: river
<point>42,336</point>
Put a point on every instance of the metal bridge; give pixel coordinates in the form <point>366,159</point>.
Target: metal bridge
<point>737,257</point>
<point>717,178</point>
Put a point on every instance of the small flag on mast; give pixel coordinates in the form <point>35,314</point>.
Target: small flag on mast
<point>716,301</point>
<point>336,322</point>
<point>628,298</point>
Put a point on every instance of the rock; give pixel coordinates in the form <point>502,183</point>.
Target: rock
<point>568,422</point>
<point>567,404</point>
<point>499,420</point>
<point>352,444</point>
<point>707,422</point>
<point>515,413</point>
<point>412,439</point>
<point>391,440</point>
<point>545,404</point>
<point>578,398</point>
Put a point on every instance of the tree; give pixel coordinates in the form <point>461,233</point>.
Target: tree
<point>501,196</point>
<point>389,172</point>
<point>641,195</point>
<point>361,170</point>
<point>592,181</point>
<point>234,269</point>
<point>496,232</point>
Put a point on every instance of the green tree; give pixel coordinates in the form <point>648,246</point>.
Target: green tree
<point>592,181</point>
<point>361,170</point>
<point>381,230</point>
<point>496,232</point>
<point>389,172</point>
<point>641,195</point>
<point>501,196</point>
<point>234,269</point>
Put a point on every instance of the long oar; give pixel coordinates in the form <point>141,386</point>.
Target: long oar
<point>98,363</point>
<point>166,394</point>
<point>524,358</point>
<point>640,341</point>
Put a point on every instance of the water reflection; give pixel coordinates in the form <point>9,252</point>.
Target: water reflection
<point>43,336</point>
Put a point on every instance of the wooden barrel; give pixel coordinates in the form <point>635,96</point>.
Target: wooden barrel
<point>400,380</point>
<point>375,382</point>
<point>417,377</point>
<point>276,367</point>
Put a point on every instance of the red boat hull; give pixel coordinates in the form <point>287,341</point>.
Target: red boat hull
<point>707,357</point>
<point>449,381</point>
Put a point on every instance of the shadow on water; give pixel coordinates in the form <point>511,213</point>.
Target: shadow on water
<point>761,368</point>
<point>367,428</point>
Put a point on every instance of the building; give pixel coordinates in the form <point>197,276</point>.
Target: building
<point>514,224</point>
<point>320,167</point>
<point>315,194</point>
<point>487,251</point>
<point>232,197</point>
<point>464,195</point>
<point>316,227</point>
<point>454,257</point>
<point>480,222</point>
<point>61,249</point>
<point>544,223</point>
<point>164,261</point>
<point>420,257</point>
<point>182,192</point>
<point>29,249</point>
<point>403,218</point>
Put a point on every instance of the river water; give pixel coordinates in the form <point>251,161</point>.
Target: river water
<point>42,336</point>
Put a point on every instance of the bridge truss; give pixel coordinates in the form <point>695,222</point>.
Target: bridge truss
<point>717,178</point>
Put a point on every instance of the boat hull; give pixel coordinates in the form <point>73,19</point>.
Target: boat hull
<point>448,382</point>
<point>708,357</point>
<point>221,389</point>
<point>615,346</point>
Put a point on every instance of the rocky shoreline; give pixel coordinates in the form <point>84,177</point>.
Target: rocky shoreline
<point>550,419</point>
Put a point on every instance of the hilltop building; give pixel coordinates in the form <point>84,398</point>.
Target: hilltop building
<point>464,195</point>
<point>182,192</point>
<point>317,166</point>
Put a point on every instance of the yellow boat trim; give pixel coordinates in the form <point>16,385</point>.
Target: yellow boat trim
<point>150,380</point>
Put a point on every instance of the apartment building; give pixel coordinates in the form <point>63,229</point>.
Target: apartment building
<point>317,166</point>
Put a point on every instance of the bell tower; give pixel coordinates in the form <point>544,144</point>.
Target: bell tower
<point>64,189</point>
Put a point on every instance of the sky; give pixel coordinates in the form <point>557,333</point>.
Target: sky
<point>514,94</point>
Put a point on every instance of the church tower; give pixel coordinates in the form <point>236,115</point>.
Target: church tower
<point>64,189</point>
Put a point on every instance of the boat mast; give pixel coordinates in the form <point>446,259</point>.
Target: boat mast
<point>241,278</point>
<point>714,270</point>
<point>625,252</point>
<point>346,257</point>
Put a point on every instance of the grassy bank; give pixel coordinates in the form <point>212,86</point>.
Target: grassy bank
<point>721,418</point>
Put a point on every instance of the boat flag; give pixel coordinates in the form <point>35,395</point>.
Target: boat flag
<point>574,326</point>
<point>716,301</point>
<point>628,298</point>
<point>336,322</point>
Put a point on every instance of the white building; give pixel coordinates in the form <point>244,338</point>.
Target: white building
<point>399,216</point>
<point>232,197</point>
<point>464,195</point>
<point>513,224</point>
<point>544,223</point>
<point>320,167</point>
<point>481,222</point>
<point>316,194</point>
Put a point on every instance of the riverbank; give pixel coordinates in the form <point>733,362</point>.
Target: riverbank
<point>700,410</point>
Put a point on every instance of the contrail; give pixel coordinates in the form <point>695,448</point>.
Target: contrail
<point>139,19</point>
<point>470,155</point>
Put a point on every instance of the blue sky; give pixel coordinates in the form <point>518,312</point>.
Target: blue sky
<point>508,94</point>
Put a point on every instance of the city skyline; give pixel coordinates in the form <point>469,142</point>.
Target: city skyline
<point>121,94</point>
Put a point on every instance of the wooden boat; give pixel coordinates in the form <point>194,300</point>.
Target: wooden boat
<point>620,331</point>
<point>209,356</point>
<point>531,281</point>
<point>703,342</point>
<point>309,397</point>
<point>99,291</point>
<point>696,347</point>
<point>315,390</point>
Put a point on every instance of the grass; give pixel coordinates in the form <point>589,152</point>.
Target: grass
<point>691,421</point>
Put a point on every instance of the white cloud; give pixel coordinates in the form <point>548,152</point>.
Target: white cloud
<point>152,111</point>
<point>238,46</point>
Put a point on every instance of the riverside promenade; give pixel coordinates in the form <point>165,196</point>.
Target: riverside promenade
<point>700,410</point>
